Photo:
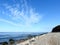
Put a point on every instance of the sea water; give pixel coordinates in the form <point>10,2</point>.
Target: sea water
<point>5,36</point>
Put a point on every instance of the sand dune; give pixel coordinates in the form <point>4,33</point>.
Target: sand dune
<point>46,39</point>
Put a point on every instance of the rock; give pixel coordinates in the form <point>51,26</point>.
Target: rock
<point>49,39</point>
<point>46,39</point>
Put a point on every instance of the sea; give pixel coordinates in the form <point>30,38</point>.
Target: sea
<point>5,36</point>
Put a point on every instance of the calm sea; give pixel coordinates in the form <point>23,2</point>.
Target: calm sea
<point>5,36</point>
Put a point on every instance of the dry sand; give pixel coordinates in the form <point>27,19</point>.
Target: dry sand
<point>46,39</point>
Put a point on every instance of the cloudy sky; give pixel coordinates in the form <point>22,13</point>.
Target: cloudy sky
<point>29,15</point>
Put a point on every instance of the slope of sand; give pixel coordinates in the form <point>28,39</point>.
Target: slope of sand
<point>46,39</point>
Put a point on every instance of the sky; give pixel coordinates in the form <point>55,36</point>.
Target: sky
<point>29,15</point>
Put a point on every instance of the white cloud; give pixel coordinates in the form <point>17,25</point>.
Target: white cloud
<point>10,22</point>
<point>26,14</point>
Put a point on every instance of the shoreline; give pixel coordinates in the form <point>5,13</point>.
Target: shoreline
<point>29,39</point>
<point>46,39</point>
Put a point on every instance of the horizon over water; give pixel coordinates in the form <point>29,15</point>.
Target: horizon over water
<point>5,36</point>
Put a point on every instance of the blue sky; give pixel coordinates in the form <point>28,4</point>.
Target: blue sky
<point>29,15</point>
